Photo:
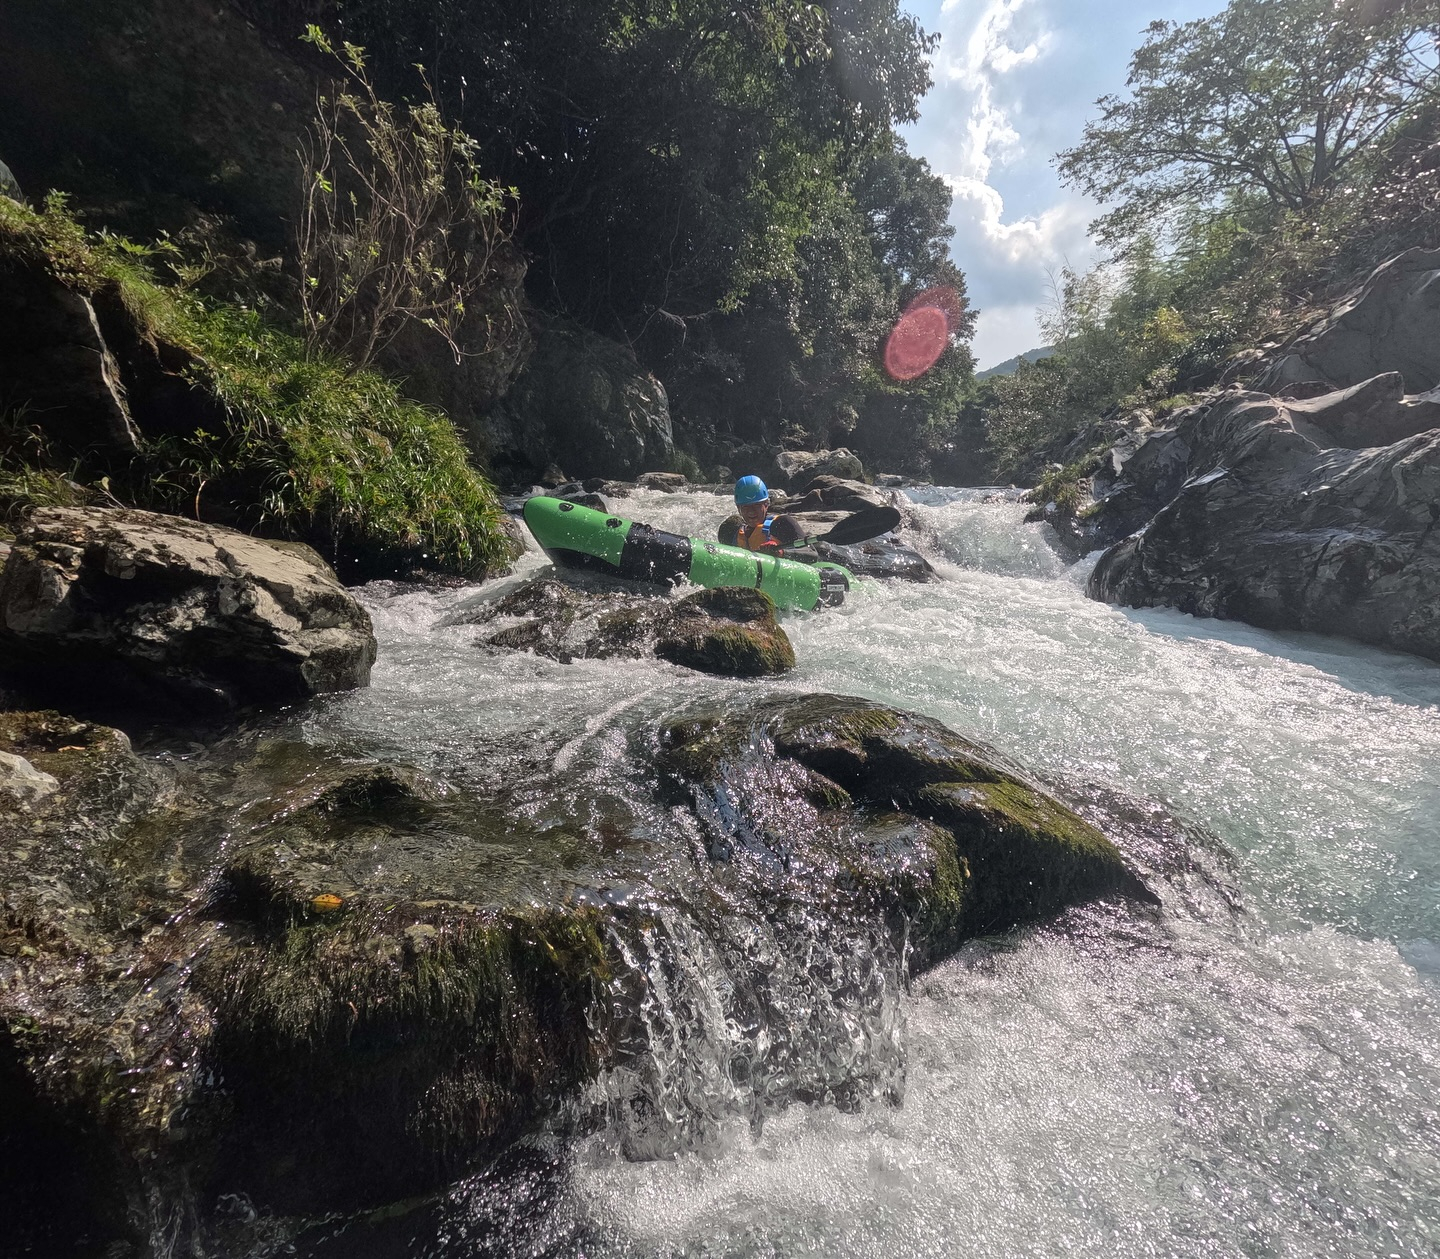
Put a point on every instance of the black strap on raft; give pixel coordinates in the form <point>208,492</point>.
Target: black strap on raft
<point>654,555</point>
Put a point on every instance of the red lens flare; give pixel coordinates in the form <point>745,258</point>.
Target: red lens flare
<point>916,342</point>
<point>922,332</point>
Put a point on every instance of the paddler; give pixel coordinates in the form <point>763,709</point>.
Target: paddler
<point>755,529</point>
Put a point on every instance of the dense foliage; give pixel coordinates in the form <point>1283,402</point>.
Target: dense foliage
<point>717,185</point>
<point>1263,156</point>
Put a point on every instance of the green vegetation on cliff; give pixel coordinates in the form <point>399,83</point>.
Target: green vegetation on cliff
<point>277,438</point>
<point>719,188</point>
<point>1264,156</point>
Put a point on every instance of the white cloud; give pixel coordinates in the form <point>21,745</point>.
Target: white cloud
<point>1004,332</point>
<point>1058,232</point>
<point>987,53</point>
<point>982,48</point>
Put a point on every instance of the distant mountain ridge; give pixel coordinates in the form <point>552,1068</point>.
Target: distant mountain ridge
<point>1011,364</point>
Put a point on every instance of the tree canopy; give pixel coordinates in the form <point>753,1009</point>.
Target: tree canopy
<point>716,183</point>
<point>1281,100</point>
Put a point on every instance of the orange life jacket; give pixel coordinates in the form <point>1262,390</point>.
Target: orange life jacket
<point>754,537</point>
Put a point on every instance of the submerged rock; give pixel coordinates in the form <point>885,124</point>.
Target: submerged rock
<point>105,606</point>
<point>729,631</point>
<point>880,557</point>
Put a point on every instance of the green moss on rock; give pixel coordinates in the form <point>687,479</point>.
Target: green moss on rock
<point>385,1050</point>
<point>729,631</point>
<point>1015,853</point>
<point>283,439</point>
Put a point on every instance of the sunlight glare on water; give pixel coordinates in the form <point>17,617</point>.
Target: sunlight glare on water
<point>1266,1089</point>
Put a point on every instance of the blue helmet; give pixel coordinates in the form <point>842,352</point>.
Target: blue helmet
<point>750,489</point>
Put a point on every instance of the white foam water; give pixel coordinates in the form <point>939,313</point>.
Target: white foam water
<point>1270,1088</point>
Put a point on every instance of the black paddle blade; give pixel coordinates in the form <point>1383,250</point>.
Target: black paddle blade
<point>862,526</point>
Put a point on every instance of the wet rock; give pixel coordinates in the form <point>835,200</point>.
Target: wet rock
<point>597,502</point>
<point>667,482</point>
<point>990,847</point>
<point>582,402</point>
<point>379,949</point>
<point>1246,510</point>
<point>328,982</point>
<point>880,557</point>
<point>22,782</point>
<point>77,1056</point>
<point>799,466</point>
<point>832,493</point>
<point>101,605</point>
<point>360,1001</point>
<point>730,631</point>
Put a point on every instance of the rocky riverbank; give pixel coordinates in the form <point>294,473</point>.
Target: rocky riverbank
<point>1306,499</point>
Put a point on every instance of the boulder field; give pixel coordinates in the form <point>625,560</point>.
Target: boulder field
<point>326,982</point>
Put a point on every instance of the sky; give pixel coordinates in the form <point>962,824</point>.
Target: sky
<point>1015,82</point>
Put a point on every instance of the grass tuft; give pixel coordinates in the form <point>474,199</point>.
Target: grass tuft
<point>308,446</point>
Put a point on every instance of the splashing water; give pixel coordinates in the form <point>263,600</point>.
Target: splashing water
<point>1270,1088</point>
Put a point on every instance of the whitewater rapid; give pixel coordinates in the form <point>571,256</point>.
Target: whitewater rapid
<point>1267,1085</point>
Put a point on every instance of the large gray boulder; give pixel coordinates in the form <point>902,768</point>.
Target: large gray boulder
<point>119,606</point>
<point>1390,322</point>
<point>583,403</point>
<point>833,493</point>
<point>1250,509</point>
<point>797,467</point>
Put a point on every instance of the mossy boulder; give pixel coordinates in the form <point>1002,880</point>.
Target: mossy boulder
<point>360,1001</point>
<point>731,631</point>
<point>79,1092</point>
<point>329,982</point>
<point>1012,852</point>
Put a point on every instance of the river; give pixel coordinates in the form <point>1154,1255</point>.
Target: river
<point>1266,1084</point>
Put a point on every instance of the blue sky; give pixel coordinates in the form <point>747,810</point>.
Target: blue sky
<point>1015,81</point>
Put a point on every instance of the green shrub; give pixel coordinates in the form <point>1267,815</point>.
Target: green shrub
<point>1067,487</point>
<point>308,447</point>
